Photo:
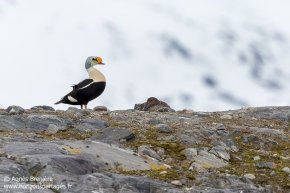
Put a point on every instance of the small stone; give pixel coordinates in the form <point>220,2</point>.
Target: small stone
<point>163,173</point>
<point>176,183</point>
<point>145,150</point>
<point>268,165</point>
<point>100,108</point>
<point>164,128</point>
<point>43,107</point>
<point>15,109</point>
<point>256,158</point>
<point>190,153</point>
<point>250,176</point>
<point>227,117</point>
<point>273,173</point>
<point>286,170</point>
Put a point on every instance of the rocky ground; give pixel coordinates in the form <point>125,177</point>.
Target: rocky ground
<point>149,150</point>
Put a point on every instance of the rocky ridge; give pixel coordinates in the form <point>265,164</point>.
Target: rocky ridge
<point>145,150</point>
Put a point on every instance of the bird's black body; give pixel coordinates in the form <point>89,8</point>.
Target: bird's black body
<point>84,92</point>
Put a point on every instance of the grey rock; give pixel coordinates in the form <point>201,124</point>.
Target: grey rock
<point>91,125</point>
<point>250,176</point>
<point>111,135</point>
<point>78,112</point>
<point>153,104</point>
<point>53,129</point>
<point>164,128</point>
<point>267,165</point>
<point>188,140</point>
<point>100,108</point>
<point>11,123</point>
<point>214,183</point>
<point>208,160</point>
<point>145,150</point>
<point>111,155</point>
<point>72,165</point>
<point>42,107</point>
<point>221,152</point>
<point>190,153</point>
<point>154,121</point>
<point>15,109</point>
<point>267,131</point>
<point>41,122</point>
<point>227,117</point>
<point>286,170</point>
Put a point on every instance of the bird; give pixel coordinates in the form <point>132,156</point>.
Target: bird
<point>88,89</point>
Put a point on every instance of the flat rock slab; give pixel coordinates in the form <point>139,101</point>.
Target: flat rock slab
<point>111,135</point>
<point>41,122</point>
<point>111,155</point>
<point>90,151</point>
<point>11,123</point>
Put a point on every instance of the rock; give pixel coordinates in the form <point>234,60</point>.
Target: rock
<point>197,167</point>
<point>41,122</point>
<point>163,128</point>
<point>90,124</point>
<point>250,176</point>
<point>153,104</point>
<point>267,165</point>
<point>207,160</point>
<point>15,109</point>
<point>154,121</point>
<point>221,152</point>
<point>190,153</point>
<point>11,123</point>
<point>53,129</point>
<point>220,129</point>
<point>42,107</point>
<point>111,135</point>
<point>286,170</point>
<point>78,112</point>
<point>160,151</point>
<point>163,173</point>
<point>257,158</point>
<point>226,117</point>
<point>176,183</point>
<point>100,108</point>
<point>145,150</point>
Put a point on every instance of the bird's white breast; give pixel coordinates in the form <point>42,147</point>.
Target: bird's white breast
<point>96,75</point>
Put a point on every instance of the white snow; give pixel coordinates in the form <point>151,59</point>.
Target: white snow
<point>164,48</point>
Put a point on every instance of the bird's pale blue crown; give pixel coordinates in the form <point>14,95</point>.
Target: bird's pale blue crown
<point>92,61</point>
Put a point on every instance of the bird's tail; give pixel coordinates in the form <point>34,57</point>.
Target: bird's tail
<point>58,102</point>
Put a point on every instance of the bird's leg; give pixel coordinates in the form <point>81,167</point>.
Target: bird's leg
<point>85,106</point>
<point>81,106</point>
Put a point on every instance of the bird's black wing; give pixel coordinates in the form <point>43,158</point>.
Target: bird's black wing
<point>82,84</point>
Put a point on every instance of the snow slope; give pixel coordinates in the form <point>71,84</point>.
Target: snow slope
<point>204,55</point>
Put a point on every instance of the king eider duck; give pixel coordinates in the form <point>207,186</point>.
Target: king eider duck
<point>88,89</point>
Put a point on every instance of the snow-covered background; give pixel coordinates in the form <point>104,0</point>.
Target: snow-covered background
<point>199,54</point>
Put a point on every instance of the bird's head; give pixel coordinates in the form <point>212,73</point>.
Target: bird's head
<point>92,61</point>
